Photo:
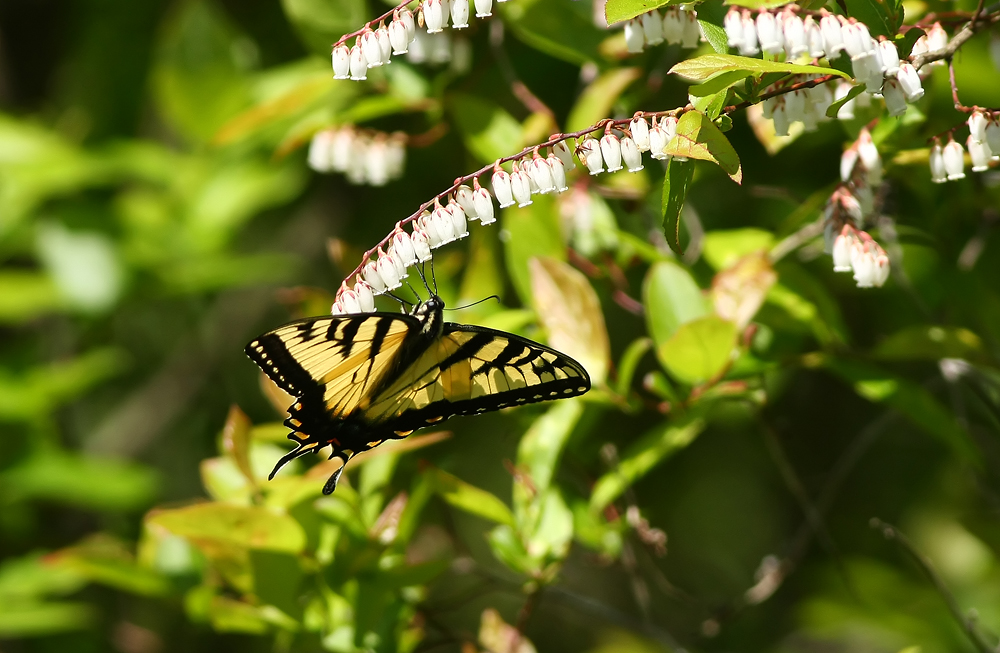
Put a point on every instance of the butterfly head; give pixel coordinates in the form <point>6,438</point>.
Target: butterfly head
<point>430,313</point>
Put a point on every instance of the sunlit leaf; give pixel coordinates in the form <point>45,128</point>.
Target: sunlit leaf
<point>469,498</point>
<point>699,138</point>
<point>535,231</point>
<point>321,22</point>
<point>722,248</point>
<point>676,182</point>
<point>244,526</point>
<point>105,560</point>
<point>27,295</point>
<point>616,11</point>
<point>671,298</point>
<point>569,309</point>
<point>699,350</point>
<point>704,67</point>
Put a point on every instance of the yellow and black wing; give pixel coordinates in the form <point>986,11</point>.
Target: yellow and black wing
<point>471,370</point>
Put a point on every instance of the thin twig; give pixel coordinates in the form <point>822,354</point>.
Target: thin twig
<point>966,621</point>
<point>954,89</point>
<point>796,240</point>
<point>374,21</point>
<point>979,21</point>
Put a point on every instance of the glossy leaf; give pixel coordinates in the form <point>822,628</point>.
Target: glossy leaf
<point>699,350</point>
<point>676,183</point>
<point>706,66</point>
<point>616,11</point>
<point>698,138</point>
<point>671,298</point>
<point>834,109</point>
<point>883,17</point>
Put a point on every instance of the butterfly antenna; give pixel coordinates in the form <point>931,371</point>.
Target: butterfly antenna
<point>423,277</point>
<point>484,299</point>
<point>402,302</point>
<point>434,278</point>
<point>412,289</point>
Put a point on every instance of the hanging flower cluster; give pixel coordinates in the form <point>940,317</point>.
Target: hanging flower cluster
<point>848,206</point>
<point>805,105</point>
<point>365,157</point>
<point>948,162</point>
<point>678,26</point>
<point>374,47</point>
<point>875,63</point>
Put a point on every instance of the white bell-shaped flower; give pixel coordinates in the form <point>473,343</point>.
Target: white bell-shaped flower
<point>397,261</point>
<point>337,308</point>
<point>842,250</point>
<point>937,39</point>
<point>794,34</point>
<point>373,278</point>
<point>341,62</point>
<point>993,136</point>
<point>541,174</point>
<point>657,141</point>
<point>855,42</point>
<point>780,118</point>
<point>459,14</point>
<point>459,223</point>
<point>502,188</point>
<point>406,17</point>
<point>463,195</point>
<point>954,160</point>
<point>631,154</point>
<point>384,44</point>
<point>484,8</point>
<point>977,126</point>
<point>733,24</point>
<point>349,300</point>
<point>881,272</point>
<point>889,55</point>
<point>376,162</point>
<point>366,298</point>
<point>634,38</point>
<point>768,33</point>
<point>814,38</point>
<point>445,225</point>
<point>520,186</point>
<point>749,48</point>
<point>639,129</point>
<point>611,151</point>
<point>870,158</point>
<point>558,172</point>
<point>430,228</point>
<point>359,66</point>
<point>370,48</point>
<point>833,37</point>
<point>980,154</point>
<point>690,30</point>
<point>652,27</point>
<point>938,173</point>
<point>909,81</point>
<point>562,150</point>
<point>848,160</point>
<point>589,152</point>
<point>484,204</point>
<point>399,38</point>
<point>795,106</point>
<point>863,262</point>
<point>433,16</point>
<point>402,244</point>
<point>320,151</point>
<point>821,97</point>
<point>421,244</point>
<point>673,28</point>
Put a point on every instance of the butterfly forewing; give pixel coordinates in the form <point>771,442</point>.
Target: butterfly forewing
<point>339,360</point>
<point>474,370</point>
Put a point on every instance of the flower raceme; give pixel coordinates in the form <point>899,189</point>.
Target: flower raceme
<point>677,26</point>
<point>365,157</point>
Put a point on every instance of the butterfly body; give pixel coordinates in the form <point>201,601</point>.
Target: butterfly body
<point>361,379</point>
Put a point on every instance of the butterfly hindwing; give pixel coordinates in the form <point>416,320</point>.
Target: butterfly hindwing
<point>471,370</point>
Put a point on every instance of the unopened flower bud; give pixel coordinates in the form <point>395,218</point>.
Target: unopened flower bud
<point>631,155</point>
<point>589,152</point>
<point>611,152</point>
<point>938,173</point>
<point>640,133</point>
<point>502,188</point>
<point>520,185</point>
<point>954,160</point>
<point>341,62</point>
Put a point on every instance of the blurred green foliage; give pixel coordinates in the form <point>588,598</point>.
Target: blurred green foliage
<point>751,410</point>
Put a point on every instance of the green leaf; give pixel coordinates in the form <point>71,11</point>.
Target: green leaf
<point>616,11</point>
<point>509,550</point>
<point>489,132</point>
<point>29,619</point>
<point>629,362</point>
<point>711,15</point>
<point>103,559</point>
<point>905,42</point>
<point>535,231</point>
<point>920,342</point>
<point>469,498</point>
<point>700,350</point>
<point>671,298</point>
<point>834,109</point>
<point>27,295</point>
<point>723,247</point>
<point>883,17</point>
<point>591,530</point>
<point>911,400</point>
<point>247,527</point>
<point>564,31</point>
<point>676,182</point>
<point>711,105</point>
<point>698,138</point>
<point>653,448</point>
<point>706,66</point>
<point>718,83</point>
<point>554,532</point>
<point>570,311</point>
<point>757,4</point>
<point>542,445</point>
<point>599,97</point>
